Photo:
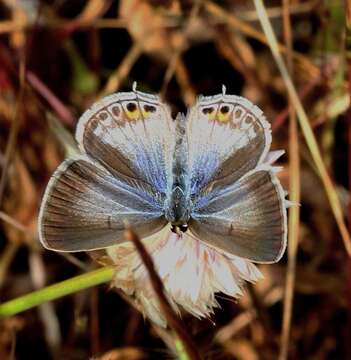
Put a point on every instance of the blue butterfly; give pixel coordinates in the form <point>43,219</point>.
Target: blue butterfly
<point>206,173</point>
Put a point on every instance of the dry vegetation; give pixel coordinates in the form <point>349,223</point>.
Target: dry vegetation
<point>58,56</point>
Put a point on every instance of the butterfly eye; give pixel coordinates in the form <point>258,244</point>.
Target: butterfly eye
<point>183,228</point>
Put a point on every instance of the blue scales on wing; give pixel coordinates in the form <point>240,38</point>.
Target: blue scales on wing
<point>238,203</point>
<point>121,177</point>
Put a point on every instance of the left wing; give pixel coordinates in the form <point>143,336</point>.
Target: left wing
<point>85,208</point>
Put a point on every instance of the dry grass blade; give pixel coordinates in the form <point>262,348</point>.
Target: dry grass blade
<point>276,12</point>
<point>61,110</point>
<point>305,126</point>
<point>185,84</point>
<point>93,10</point>
<point>6,258</point>
<point>176,65</point>
<point>11,144</point>
<point>294,212</point>
<point>174,322</point>
<point>115,80</point>
<point>248,30</point>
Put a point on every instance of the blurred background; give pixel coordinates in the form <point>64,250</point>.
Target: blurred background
<point>58,56</point>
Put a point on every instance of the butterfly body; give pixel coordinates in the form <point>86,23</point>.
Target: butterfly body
<point>178,205</point>
<point>204,174</point>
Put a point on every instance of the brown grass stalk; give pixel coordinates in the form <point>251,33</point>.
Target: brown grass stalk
<point>172,319</point>
<point>294,187</point>
<point>305,127</point>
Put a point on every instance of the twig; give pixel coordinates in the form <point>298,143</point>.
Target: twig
<point>184,82</point>
<point>175,58</point>
<point>61,110</point>
<point>115,80</point>
<point>13,222</point>
<point>6,259</point>
<point>305,90</point>
<point>294,212</point>
<point>46,311</point>
<point>11,143</point>
<point>245,317</point>
<point>250,31</point>
<point>348,119</point>
<point>306,127</point>
<point>174,322</point>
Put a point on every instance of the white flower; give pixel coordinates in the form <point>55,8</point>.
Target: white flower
<point>192,273</point>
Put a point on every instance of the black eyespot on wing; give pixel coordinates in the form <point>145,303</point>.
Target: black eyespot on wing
<point>249,119</point>
<point>103,115</point>
<point>224,109</point>
<point>149,108</point>
<point>116,111</point>
<point>238,113</point>
<point>131,107</point>
<point>207,111</point>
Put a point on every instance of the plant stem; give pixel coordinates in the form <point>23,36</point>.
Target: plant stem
<point>56,291</point>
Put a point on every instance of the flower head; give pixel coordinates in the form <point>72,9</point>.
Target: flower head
<point>192,273</point>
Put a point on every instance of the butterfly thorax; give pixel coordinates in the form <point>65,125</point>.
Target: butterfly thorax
<point>178,203</point>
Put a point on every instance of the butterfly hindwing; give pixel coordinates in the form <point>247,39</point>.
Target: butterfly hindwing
<point>130,134</point>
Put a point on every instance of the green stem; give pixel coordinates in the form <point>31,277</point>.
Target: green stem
<point>56,291</point>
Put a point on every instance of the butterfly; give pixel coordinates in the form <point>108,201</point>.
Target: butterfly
<point>207,174</point>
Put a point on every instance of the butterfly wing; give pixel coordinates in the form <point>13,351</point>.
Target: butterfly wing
<point>228,136</point>
<point>239,205</point>
<point>248,219</point>
<point>85,208</point>
<point>122,176</point>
